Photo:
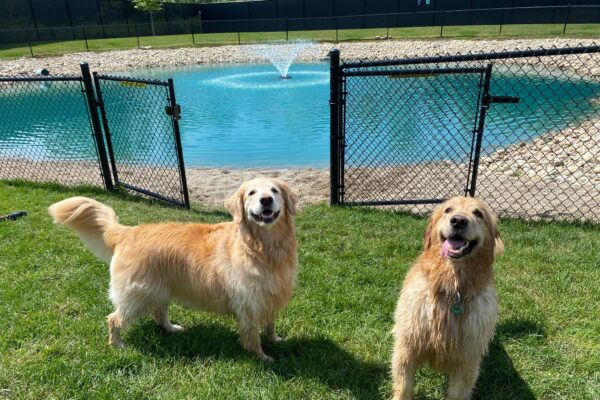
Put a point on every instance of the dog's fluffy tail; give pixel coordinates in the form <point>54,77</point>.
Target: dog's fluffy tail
<point>95,223</point>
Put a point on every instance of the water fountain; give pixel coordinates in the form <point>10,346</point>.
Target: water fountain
<point>281,54</point>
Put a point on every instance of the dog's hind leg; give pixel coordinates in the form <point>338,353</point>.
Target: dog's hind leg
<point>250,337</point>
<point>161,316</point>
<point>462,381</point>
<point>124,315</point>
<point>270,330</point>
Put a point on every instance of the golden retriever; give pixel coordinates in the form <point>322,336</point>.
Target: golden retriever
<point>448,307</point>
<point>246,268</point>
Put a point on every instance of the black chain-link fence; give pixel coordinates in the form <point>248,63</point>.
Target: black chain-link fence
<point>519,129</point>
<point>46,132</point>
<point>123,133</point>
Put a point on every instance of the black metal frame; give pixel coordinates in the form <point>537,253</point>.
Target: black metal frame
<point>342,72</point>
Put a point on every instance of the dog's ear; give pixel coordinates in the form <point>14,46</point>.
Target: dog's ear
<point>498,243</point>
<point>235,205</point>
<point>427,238</point>
<point>290,197</point>
<point>494,233</point>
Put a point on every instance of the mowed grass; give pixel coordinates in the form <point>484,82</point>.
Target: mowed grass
<point>53,304</point>
<point>50,48</point>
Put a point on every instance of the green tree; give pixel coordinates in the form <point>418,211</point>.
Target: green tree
<point>150,7</point>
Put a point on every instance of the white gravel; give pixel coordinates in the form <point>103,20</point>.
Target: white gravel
<point>122,60</point>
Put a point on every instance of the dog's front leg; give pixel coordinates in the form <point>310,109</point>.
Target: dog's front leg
<point>250,336</point>
<point>403,372</point>
<point>270,330</point>
<point>462,381</point>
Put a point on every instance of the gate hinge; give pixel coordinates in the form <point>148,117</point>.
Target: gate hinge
<point>174,111</point>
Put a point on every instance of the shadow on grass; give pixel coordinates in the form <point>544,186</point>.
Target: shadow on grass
<point>316,358</point>
<point>498,378</point>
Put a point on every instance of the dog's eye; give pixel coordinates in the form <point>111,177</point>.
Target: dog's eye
<point>448,210</point>
<point>478,214</point>
<point>252,192</point>
<point>274,190</point>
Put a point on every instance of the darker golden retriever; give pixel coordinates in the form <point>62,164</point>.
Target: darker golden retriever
<point>448,307</point>
<point>246,268</point>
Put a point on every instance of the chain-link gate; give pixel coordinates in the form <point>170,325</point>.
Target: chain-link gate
<point>410,133</point>
<point>51,130</point>
<point>140,119</point>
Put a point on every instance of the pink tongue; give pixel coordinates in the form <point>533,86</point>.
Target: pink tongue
<point>451,246</point>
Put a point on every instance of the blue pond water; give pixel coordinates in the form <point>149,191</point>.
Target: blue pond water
<point>245,116</point>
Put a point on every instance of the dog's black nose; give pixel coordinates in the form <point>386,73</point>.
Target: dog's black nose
<point>266,201</point>
<point>459,221</point>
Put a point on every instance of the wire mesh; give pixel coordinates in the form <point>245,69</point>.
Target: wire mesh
<point>142,137</point>
<point>45,132</point>
<point>408,139</point>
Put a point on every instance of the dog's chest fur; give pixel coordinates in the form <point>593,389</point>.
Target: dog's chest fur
<point>425,319</point>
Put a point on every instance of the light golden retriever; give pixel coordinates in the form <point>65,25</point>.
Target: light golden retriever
<point>448,307</point>
<point>246,268</point>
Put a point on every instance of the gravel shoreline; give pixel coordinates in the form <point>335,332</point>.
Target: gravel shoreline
<point>123,60</point>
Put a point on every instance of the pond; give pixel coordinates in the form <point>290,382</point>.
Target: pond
<point>246,116</point>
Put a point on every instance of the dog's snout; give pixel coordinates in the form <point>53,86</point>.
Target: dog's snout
<point>459,221</point>
<point>266,201</point>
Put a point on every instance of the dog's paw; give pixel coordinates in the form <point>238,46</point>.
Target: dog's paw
<point>267,359</point>
<point>174,328</point>
<point>275,338</point>
<point>117,344</point>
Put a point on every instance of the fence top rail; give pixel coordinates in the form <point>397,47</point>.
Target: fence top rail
<point>541,52</point>
<point>416,73</point>
<point>41,79</point>
<point>130,79</point>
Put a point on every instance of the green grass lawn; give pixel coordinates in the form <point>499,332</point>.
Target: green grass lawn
<point>213,39</point>
<point>53,304</point>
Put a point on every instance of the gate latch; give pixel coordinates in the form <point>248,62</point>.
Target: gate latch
<point>174,111</point>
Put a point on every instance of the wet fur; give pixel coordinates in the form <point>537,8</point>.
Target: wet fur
<point>237,268</point>
<point>426,331</point>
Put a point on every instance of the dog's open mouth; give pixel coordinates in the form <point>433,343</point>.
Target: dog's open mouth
<point>267,216</point>
<point>457,247</point>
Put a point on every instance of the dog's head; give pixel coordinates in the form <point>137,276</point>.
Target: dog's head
<point>463,227</point>
<point>262,201</point>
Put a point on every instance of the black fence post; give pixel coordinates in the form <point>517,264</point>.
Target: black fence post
<point>85,38</point>
<point>239,38</point>
<point>192,30</point>
<point>485,104</point>
<point>29,43</point>
<point>107,135</point>
<point>387,26</point>
<point>98,137</point>
<point>137,36</point>
<point>334,145</point>
<point>337,28</point>
<point>567,18</point>
<point>287,30</point>
<point>442,24</point>
<point>175,119</point>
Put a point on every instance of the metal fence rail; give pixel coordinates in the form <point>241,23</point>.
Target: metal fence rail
<point>520,129</point>
<point>107,131</point>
